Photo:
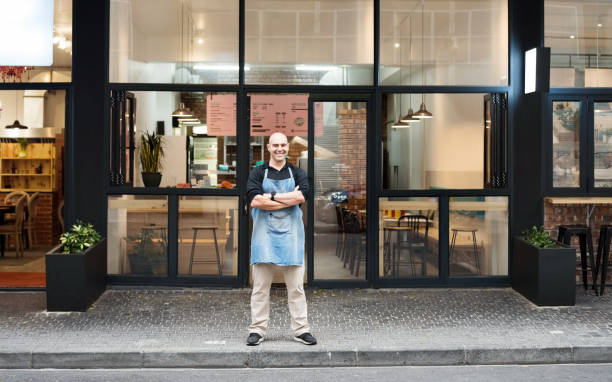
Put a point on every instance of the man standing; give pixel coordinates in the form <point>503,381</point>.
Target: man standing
<point>276,189</point>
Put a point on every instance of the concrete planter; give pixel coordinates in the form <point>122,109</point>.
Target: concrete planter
<point>75,281</point>
<point>546,276</point>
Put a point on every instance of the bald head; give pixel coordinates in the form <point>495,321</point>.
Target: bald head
<point>278,138</point>
<point>278,146</point>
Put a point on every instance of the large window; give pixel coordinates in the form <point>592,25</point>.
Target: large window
<point>309,42</point>
<point>457,42</point>
<point>446,151</point>
<point>578,34</point>
<point>174,41</point>
<point>198,132</point>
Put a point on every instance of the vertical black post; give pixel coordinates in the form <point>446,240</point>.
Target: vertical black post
<point>376,70</point>
<point>172,238</point>
<point>310,206</point>
<point>443,223</point>
<point>85,149</point>
<point>527,117</point>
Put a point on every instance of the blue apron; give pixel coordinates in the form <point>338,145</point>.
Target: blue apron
<point>278,236</point>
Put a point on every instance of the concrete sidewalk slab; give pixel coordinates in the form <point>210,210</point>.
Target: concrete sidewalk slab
<point>197,328</point>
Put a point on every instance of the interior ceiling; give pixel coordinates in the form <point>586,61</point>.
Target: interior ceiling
<point>566,18</point>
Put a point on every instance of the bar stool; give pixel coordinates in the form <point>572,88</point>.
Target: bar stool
<point>603,250</point>
<point>474,243</point>
<point>586,242</point>
<point>195,235</point>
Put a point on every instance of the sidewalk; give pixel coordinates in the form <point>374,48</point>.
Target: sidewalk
<point>207,328</point>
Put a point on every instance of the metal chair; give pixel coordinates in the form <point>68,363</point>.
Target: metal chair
<point>474,243</point>
<point>30,219</point>
<point>193,245</point>
<point>603,251</point>
<point>410,238</point>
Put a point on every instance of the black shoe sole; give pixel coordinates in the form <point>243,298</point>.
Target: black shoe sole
<point>304,342</point>
<point>256,343</point>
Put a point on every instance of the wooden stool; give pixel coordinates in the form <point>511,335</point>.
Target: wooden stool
<point>195,234</point>
<point>603,250</point>
<point>474,242</point>
<point>586,242</point>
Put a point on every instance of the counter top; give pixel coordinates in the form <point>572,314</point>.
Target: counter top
<point>578,200</point>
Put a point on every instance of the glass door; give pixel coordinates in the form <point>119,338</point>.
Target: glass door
<point>337,169</point>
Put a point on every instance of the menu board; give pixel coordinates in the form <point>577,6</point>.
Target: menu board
<point>283,113</point>
<point>221,114</point>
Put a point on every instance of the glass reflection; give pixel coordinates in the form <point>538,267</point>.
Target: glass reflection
<point>566,144</point>
<point>602,154</point>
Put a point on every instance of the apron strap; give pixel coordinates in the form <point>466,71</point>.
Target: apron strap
<point>290,173</point>
<point>265,174</point>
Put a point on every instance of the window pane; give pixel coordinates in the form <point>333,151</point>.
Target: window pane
<point>603,144</point>
<point>446,151</point>
<point>208,236</point>
<point>566,144</point>
<point>174,41</point>
<point>61,68</point>
<point>456,42</point>
<point>340,191</point>
<point>198,131</point>
<point>408,236</point>
<point>478,236</point>
<point>579,36</point>
<point>137,235</point>
<point>309,42</point>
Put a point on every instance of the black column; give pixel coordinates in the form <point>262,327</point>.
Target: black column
<point>527,119</point>
<point>85,142</point>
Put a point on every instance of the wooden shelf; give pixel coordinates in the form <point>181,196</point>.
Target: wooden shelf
<point>26,174</point>
<point>19,173</point>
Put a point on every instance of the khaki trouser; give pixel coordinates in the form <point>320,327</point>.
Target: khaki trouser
<point>260,298</point>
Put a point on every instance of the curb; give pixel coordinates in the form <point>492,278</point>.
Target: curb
<point>318,358</point>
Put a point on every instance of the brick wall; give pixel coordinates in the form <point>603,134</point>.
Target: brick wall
<point>352,149</point>
<point>559,214</point>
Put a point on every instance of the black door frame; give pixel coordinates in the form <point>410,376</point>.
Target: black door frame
<point>371,201</point>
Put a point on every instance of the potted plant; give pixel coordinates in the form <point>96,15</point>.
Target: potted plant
<point>151,153</point>
<point>23,145</point>
<point>76,269</point>
<point>147,257</point>
<point>544,270</point>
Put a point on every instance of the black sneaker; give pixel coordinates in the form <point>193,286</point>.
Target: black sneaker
<point>254,339</point>
<point>306,339</point>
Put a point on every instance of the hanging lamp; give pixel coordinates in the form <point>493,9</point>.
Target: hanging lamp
<point>409,117</point>
<point>16,124</point>
<point>400,123</point>
<point>182,111</point>
<point>423,113</point>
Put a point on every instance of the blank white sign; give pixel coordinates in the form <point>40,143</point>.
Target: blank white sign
<point>530,70</point>
<point>26,33</point>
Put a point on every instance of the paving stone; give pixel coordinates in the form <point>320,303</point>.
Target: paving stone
<point>185,327</point>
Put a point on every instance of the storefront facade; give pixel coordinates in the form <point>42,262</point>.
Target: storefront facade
<point>338,78</point>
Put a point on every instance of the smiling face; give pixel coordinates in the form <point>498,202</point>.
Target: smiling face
<point>278,146</point>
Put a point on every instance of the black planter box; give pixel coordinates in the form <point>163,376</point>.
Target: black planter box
<point>75,281</point>
<point>546,276</point>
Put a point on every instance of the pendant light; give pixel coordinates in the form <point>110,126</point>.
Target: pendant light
<point>423,113</point>
<point>16,124</point>
<point>182,111</point>
<point>401,123</point>
<point>409,117</point>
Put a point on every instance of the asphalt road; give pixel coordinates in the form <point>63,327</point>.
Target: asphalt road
<point>539,373</point>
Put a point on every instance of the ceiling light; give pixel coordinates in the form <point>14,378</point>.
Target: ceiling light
<point>423,113</point>
<point>599,25</point>
<point>409,117</point>
<point>16,125</point>
<point>200,41</point>
<point>572,36</point>
<point>397,45</point>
